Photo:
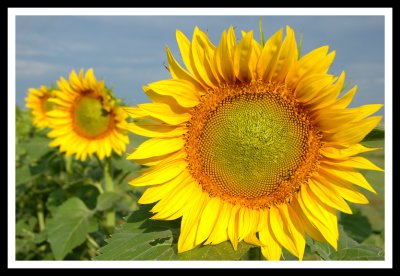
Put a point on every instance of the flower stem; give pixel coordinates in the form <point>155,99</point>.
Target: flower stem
<point>68,164</point>
<point>262,41</point>
<point>40,216</point>
<point>109,187</point>
<point>92,242</point>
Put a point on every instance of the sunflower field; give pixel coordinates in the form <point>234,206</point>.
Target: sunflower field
<point>248,152</point>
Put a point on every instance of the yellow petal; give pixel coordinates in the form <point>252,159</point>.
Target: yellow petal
<point>329,96</point>
<point>231,41</point>
<point>184,48</point>
<point>312,87</point>
<point>320,215</point>
<point>295,229</point>
<point>156,192</point>
<point>315,62</point>
<point>160,174</point>
<point>328,196</point>
<point>246,223</point>
<point>60,131</point>
<point>223,60</point>
<point>107,146</point>
<point>288,54</point>
<point>343,188</point>
<point>308,227</point>
<point>219,232</point>
<point>157,160</point>
<point>354,132</point>
<point>157,147</point>
<point>243,54</point>
<point>357,162</point>
<point>335,153</point>
<point>58,114</point>
<point>344,101</point>
<point>166,113</point>
<point>172,205</point>
<point>182,91</point>
<point>75,82</point>
<point>332,120</point>
<point>202,52</point>
<point>252,239</point>
<point>135,112</point>
<point>233,232</point>
<point>190,221</point>
<point>279,229</point>
<point>155,130</point>
<point>350,175</point>
<point>177,72</point>
<point>59,102</point>
<point>91,79</point>
<point>271,250</point>
<point>269,55</point>
<point>208,219</point>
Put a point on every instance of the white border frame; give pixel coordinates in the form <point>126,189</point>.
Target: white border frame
<point>386,12</point>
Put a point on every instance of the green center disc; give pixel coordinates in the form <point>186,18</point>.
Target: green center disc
<point>90,117</point>
<point>251,143</point>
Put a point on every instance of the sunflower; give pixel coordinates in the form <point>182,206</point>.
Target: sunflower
<point>38,102</point>
<point>86,118</point>
<point>251,142</point>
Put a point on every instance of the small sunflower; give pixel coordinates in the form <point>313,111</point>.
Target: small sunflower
<point>86,118</point>
<point>251,142</point>
<point>38,102</point>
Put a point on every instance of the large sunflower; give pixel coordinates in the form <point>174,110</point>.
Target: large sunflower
<point>38,101</point>
<point>252,143</point>
<point>86,118</point>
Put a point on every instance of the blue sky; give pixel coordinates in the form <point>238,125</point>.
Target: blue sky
<point>129,51</point>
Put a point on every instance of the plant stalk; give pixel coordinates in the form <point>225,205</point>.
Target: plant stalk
<point>109,187</point>
<point>40,216</point>
<point>68,164</point>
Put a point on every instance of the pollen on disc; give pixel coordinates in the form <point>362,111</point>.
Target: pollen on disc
<point>251,143</point>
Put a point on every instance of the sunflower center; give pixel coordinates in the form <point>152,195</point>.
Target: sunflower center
<point>251,144</point>
<point>90,119</point>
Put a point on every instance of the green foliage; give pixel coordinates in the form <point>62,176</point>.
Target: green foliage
<point>376,134</point>
<point>107,200</point>
<point>357,225</point>
<point>59,214</point>
<point>348,249</point>
<point>68,228</point>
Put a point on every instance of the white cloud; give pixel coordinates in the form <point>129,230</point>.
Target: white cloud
<point>32,68</point>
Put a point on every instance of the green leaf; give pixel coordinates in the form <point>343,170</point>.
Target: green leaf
<point>55,199</point>
<point>287,256</point>
<point>23,175</point>
<point>87,193</point>
<point>357,226</point>
<point>120,162</point>
<point>222,251</point>
<point>107,200</point>
<point>144,239</point>
<point>36,147</point>
<point>69,227</point>
<point>377,133</point>
<point>348,249</point>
